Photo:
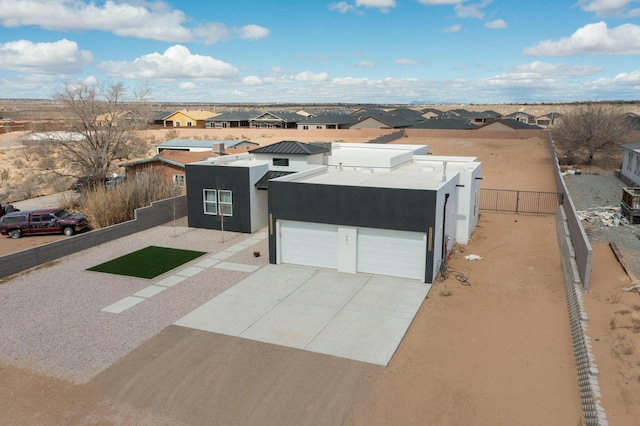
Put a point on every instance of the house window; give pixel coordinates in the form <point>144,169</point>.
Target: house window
<point>281,162</point>
<point>225,202</point>
<point>629,160</point>
<point>178,180</point>
<point>217,202</point>
<point>189,123</point>
<point>305,127</point>
<point>177,124</point>
<point>637,166</point>
<point>318,127</point>
<point>210,199</point>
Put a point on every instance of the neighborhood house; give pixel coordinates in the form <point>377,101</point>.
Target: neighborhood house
<point>387,209</point>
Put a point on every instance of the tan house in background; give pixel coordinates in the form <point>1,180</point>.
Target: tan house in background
<point>169,163</point>
<point>188,118</point>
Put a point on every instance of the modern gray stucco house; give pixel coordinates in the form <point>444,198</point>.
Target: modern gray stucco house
<point>381,209</point>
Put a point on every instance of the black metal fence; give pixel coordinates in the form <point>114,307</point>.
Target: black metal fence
<point>521,202</point>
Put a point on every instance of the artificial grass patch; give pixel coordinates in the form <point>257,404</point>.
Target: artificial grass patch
<point>148,262</point>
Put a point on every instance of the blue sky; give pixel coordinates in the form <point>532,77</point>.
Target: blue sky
<point>354,51</point>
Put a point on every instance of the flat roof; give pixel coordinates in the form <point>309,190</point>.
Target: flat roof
<point>373,155</point>
<point>233,160</point>
<point>417,174</point>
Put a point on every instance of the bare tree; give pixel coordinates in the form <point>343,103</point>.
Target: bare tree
<point>101,130</point>
<point>591,128</point>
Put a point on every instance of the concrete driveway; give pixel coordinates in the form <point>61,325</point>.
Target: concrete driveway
<point>46,201</point>
<point>356,316</point>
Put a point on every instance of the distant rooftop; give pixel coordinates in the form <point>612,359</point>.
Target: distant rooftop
<point>291,148</point>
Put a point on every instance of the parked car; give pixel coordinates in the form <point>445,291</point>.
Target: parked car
<point>86,182</point>
<point>42,221</point>
<point>115,180</point>
<point>7,208</point>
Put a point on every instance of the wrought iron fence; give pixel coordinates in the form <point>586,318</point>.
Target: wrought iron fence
<point>524,202</point>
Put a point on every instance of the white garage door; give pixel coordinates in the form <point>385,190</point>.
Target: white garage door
<point>378,251</point>
<point>309,244</point>
<point>395,253</point>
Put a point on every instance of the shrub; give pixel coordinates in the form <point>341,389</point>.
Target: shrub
<point>69,202</point>
<point>60,183</point>
<point>28,187</point>
<point>104,206</point>
<point>170,134</point>
<point>5,175</point>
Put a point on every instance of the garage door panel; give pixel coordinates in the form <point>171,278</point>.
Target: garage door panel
<point>309,244</point>
<point>394,253</point>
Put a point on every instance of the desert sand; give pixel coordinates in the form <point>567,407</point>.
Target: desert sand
<point>489,346</point>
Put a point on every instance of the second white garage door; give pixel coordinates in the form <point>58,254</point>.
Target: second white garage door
<point>378,251</point>
<point>395,253</point>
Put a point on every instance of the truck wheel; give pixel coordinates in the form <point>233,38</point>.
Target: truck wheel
<point>68,231</point>
<point>15,233</point>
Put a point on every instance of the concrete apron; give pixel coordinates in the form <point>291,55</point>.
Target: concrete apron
<point>356,316</point>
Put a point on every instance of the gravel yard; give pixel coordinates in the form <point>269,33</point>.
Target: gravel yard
<point>597,193</point>
<point>71,337</point>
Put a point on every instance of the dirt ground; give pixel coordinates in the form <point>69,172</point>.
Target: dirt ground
<point>489,346</point>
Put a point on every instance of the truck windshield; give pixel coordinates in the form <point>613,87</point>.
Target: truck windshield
<point>62,214</point>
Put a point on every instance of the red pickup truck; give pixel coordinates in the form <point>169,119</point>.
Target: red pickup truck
<point>43,221</point>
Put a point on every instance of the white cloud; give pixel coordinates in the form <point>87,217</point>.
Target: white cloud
<point>452,29</point>
<point>604,7</point>
<point>309,76</point>
<point>252,32</point>
<point>176,62</point>
<point>632,77</point>
<point>497,24</point>
<point>383,5</point>
<point>212,33</point>
<point>60,57</point>
<point>215,32</point>
<point>156,21</point>
<point>545,69</point>
<point>406,61</point>
<point>153,20</point>
<point>471,10</point>
<point>592,39</point>
<point>252,80</point>
<point>188,85</point>
<point>365,64</point>
<point>439,2</point>
<point>342,7</point>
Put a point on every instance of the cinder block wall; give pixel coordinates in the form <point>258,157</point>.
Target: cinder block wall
<point>156,214</point>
